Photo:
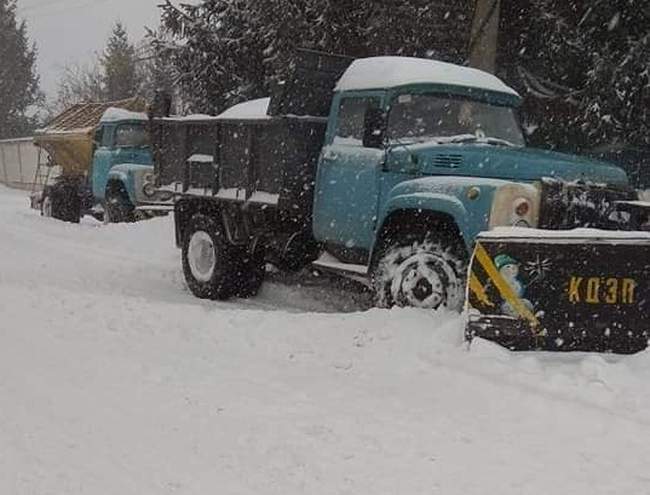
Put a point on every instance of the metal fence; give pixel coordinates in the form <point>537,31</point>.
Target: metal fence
<point>18,162</point>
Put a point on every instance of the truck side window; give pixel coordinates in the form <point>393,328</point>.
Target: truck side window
<point>351,120</point>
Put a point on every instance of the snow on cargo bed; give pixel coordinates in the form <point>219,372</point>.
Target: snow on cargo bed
<point>248,110</point>
<point>115,380</point>
<point>390,72</point>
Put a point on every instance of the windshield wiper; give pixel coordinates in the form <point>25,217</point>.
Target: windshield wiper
<point>461,138</point>
<point>499,141</point>
<point>470,138</point>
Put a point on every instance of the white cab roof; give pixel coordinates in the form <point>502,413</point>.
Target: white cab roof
<point>389,72</point>
<point>114,114</point>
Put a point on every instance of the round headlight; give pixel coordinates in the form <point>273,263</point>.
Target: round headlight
<point>149,189</point>
<point>514,202</point>
<point>166,196</point>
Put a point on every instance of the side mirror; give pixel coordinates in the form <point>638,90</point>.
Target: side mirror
<point>374,129</point>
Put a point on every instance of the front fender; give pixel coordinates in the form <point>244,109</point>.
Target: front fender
<point>131,175</point>
<point>440,203</point>
<point>449,196</point>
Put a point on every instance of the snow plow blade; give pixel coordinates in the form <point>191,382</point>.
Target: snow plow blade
<point>580,290</point>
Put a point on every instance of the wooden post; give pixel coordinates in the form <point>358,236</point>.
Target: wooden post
<point>485,33</point>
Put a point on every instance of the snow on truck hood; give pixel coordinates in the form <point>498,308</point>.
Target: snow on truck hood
<point>388,72</point>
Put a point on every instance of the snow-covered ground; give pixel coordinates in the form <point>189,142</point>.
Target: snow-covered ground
<point>115,380</point>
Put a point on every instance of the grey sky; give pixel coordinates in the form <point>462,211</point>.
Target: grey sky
<point>71,31</point>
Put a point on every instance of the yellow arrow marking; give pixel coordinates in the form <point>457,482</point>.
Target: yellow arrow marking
<point>504,288</point>
<point>479,291</point>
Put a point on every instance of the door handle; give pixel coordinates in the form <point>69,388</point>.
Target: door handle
<point>330,155</point>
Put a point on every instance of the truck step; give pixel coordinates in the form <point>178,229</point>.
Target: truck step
<point>156,207</point>
<point>329,263</point>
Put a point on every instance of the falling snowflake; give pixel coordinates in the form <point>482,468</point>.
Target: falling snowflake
<point>538,269</point>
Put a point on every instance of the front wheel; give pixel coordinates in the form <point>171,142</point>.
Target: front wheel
<point>117,205</point>
<point>420,271</point>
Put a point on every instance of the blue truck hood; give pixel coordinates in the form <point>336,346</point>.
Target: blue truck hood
<point>509,163</point>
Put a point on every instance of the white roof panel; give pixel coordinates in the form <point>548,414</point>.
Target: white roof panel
<point>388,72</point>
<point>115,114</point>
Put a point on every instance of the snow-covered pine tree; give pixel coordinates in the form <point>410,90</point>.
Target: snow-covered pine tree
<point>226,51</point>
<point>420,28</point>
<point>18,77</point>
<point>583,66</point>
<point>615,101</point>
<point>119,65</point>
<point>338,26</point>
<point>217,51</point>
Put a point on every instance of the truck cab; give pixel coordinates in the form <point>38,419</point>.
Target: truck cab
<point>419,157</point>
<point>121,161</point>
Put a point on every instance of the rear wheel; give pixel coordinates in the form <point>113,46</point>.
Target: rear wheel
<point>423,270</point>
<point>210,262</point>
<point>250,273</point>
<point>117,205</point>
<point>63,203</point>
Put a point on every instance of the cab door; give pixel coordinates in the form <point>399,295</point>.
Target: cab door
<point>347,189</point>
<point>102,159</point>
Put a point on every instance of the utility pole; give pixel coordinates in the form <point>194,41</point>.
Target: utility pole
<point>485,33</point>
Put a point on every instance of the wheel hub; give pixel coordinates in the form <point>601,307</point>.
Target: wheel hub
<point>201,256</point>
<point>422,289</point>
<point>421,281</point>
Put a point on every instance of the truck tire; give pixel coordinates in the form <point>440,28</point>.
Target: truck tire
<point>65,203</point>
<point>420,270</point>
<point>117,205</point>
<point>250,273</point>
<point>210,263</point>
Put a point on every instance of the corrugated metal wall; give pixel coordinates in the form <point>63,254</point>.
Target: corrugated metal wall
<point>18,162</point>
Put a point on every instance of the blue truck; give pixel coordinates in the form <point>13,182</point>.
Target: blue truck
<point>384,169</point>
<point>103,156</point>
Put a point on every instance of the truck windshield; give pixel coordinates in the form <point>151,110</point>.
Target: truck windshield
<point>429,117</point>
<point>131,135</point>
